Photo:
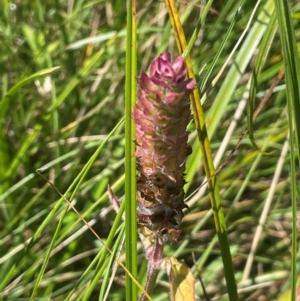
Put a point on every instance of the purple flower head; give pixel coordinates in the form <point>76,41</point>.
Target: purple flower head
<point>161,115</point>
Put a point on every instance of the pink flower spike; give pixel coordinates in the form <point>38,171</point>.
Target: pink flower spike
<point>161,115</point>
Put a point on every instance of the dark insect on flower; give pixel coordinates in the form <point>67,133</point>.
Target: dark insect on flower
<point>161,115</point>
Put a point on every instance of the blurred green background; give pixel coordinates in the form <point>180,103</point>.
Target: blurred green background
<point>54,119</point>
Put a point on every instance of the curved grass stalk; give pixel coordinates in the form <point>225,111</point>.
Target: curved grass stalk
<point>207,157</point>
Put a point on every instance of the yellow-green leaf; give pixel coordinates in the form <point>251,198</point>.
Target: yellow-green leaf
<point>182,282</point>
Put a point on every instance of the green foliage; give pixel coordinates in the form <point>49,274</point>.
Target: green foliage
<point>62,112</point>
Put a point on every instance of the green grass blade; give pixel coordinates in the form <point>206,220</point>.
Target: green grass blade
<point>292,63</point>
<point>244,55</point>
<point>130,168</point>
<point>47,257</point>
<point>292,76</point>
<point>119,244</point>
<point>218,54</point>
<point>5,101</point>
<point>260,61</point>
<point>90,65</point>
